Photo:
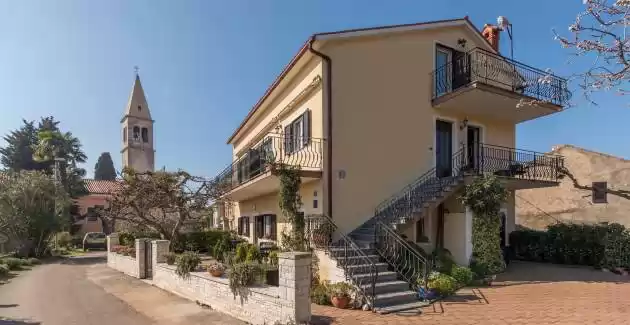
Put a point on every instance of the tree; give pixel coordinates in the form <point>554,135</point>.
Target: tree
<point>31,209</point>
<point>599,33</point>
<point>18,154</point>
<point>104,168</point>
<point>161,201</point>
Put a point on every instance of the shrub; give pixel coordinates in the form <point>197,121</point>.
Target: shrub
<point>63,239</point>
<point>13,263</point>
<point>126,239</point>
<point>462,274</point>
<point>221,247</point>
<point>273,257</point>
<point>244,275</point>
<point>253,254</point>
<point>4,269</point>
<point>200,241</point>
<point>442,283</point>
<point>186,263</point>
<point>479,269</point>
<point>170,258</point>
<point>443,260</point>
<point>241,252</point>
<point>320,294</point>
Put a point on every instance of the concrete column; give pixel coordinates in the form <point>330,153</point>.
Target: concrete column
<point>468,243</point>
<point>112,240</point>
<point>141,258</point>
<point>295,286</point>
<point>159,249</point>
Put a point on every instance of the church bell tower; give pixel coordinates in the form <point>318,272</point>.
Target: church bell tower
<point>137,132</point>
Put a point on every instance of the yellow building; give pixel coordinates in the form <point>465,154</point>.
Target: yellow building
<point>387,124</point>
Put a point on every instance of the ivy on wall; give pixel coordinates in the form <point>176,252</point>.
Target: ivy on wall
<point>484,197</point>
<point>290,203</point>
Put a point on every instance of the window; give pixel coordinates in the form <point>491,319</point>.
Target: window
<point>136,133</point>
<point>125,134</point>
<point>298,133</point>
<point>145,135</point>
<point>266,226</point>
<point>139,108</point>
<point>600,191</point>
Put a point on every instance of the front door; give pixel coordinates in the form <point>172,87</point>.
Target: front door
<point>443,148</point>
<point>473,154</point>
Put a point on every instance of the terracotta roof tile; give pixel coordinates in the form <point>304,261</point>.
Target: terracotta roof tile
<point>93,186</point>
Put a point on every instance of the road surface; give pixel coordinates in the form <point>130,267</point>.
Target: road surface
<point>84,291</point>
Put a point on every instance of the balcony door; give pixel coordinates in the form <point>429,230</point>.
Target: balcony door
<point>452,69</point>
<point>443,148</point>
<point>473,147</point>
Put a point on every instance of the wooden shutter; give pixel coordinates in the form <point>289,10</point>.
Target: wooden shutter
<point>273,227</point>
<point>306,127</point>
<point>247,225</point>
<point>288,139</point>
<point>600,191</point>
<point>240,226</point>
<point>260,226</point>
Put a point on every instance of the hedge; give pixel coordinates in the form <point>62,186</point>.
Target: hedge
<point>599,245</point>
<point>199,241</point>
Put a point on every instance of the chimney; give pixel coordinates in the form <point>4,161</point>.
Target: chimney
<point>491,33</point>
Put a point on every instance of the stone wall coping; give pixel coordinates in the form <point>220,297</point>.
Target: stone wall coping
<point>113,235</point>
<point>124,256</point>
<point>294,255</point>
<point>270,291</point>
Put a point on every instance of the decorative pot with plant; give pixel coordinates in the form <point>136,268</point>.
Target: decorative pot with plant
<point>340,294</point>
<point>170,258</point>
<point>216,269</point>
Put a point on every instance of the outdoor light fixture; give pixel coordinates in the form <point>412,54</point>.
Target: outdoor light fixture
<point>504,24</point>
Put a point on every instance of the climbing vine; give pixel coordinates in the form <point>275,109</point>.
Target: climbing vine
<point>484,197</point>
<point>290,203</point>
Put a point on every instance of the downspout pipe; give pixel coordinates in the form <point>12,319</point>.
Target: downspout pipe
<point>328,93</point>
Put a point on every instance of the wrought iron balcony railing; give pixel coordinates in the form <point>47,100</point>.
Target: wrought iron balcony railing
<point>479,65</point>
<point>302,152</point>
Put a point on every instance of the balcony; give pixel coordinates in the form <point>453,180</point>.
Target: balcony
<point>484,84</point>
<point>250,175</point>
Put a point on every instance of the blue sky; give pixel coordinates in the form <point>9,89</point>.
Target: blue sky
<point>204,64</point>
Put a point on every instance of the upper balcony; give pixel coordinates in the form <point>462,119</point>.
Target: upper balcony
<point>484,84</point>
<point>250,175</point>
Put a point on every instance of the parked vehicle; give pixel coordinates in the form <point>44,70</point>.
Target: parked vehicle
<point>94,240</point>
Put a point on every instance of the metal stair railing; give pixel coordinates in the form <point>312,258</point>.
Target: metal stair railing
<point>319,230</point>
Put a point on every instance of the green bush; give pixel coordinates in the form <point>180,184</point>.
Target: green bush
<point>170,258</point>
<point>579,244</point>
<point>126,239</point>
<point>462,274</point>
<point>244,275</point>
<point>273,257</point>
<point>200,241</point>
<point>63,239</point>
<point>320,294</point>
<point>443,284</point>
<point>253,254</point>
<point>443,260</point>
<point>186,263</point>
<point>479,270</point>
<point>221,247</point>
<point>13,263</point>
<point>4,269</point>
<point>241,252</point>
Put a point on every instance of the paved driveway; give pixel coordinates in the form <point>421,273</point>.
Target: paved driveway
<point>528,293</point>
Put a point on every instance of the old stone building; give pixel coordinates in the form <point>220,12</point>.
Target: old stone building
<point>598,172</point>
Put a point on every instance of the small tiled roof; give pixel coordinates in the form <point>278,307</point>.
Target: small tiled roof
<point>93,186</point>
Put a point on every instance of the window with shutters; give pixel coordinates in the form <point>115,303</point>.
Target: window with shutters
<point>298,133</point>
<point>266,226</point>
<point>243,226</point>
<point>600,190</point>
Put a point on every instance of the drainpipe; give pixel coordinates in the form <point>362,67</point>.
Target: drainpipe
<point>328,93</point>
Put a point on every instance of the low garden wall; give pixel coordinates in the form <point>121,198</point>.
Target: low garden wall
<point>289,302</point>
<point>133,266</point>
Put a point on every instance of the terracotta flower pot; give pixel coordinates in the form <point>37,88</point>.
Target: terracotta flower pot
<point>340,302</point>
<point>216,273</point>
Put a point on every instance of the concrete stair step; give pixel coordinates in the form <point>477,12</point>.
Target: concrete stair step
<point>385,276</point>
<point>395,298</point>
<point>417,305</point>
<point>341,251</point>
<point>365,268</point>
<point>387,286</point>
<point>354,259</point>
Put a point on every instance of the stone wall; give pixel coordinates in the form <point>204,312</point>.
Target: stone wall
<point>131,266</point>
<point>290,301</point>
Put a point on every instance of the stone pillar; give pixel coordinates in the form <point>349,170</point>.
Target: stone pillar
<point>141,258</point>
<point>295,287</point>
<point>159,249</point>
<point>112,240</point>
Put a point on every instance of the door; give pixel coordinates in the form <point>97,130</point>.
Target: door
<point>443,74</point>
<point>473,147</point>
<point>503,217</point>
<point>461,69</point>
<point>443,148</point>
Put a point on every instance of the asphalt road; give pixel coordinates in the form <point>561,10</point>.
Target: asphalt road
<point>60,294</point>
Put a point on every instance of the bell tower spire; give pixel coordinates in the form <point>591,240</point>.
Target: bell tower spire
<point>137,131</point>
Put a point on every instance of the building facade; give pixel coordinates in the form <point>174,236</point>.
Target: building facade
<point>386,125</point>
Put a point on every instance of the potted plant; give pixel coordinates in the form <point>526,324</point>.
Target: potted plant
<point>216,269</point>
<point>340,294</point>
<point>170,258</point>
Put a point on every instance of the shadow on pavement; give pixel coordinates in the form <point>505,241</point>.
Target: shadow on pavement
<point>92,258</point>
<point>9,321</point>
<point>9,306</point>
<point>7,278</point>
